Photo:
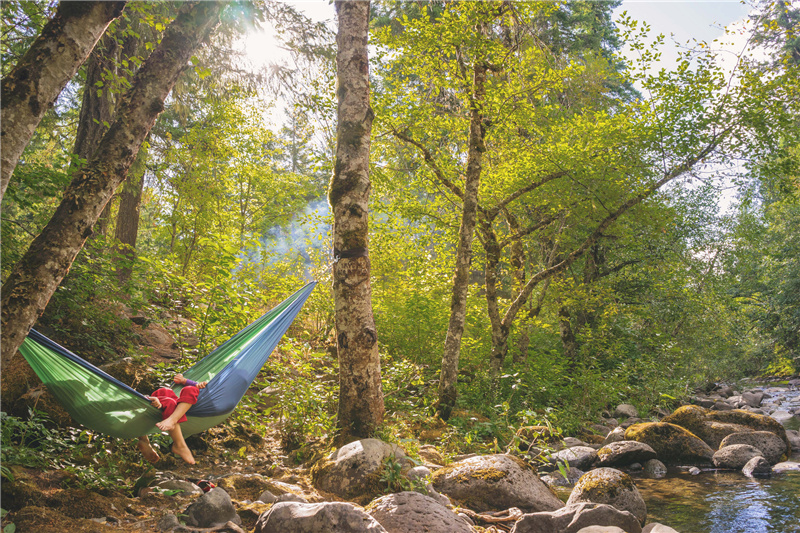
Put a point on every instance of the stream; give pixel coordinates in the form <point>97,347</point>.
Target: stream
<point>728,502</point>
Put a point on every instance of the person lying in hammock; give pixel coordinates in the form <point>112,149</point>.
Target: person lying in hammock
<point>173,413</point>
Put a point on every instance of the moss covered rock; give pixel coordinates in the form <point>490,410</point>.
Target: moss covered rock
<point>495,483</point>
<point>672,443</point>
<point>611,487</point>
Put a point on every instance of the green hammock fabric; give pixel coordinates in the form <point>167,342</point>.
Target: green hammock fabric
<point>104,404</point>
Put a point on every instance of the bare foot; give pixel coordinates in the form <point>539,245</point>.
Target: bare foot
<point>166,425</point>
<point>183,452</point>
<point>147,450</point>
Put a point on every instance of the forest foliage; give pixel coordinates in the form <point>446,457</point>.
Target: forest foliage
<point>636,234</point>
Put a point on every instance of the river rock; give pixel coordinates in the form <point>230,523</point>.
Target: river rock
<point>786,466</point>
<point>655,527</point>
<point>772,447</point>
<point>349,472</point>
<point>753,398</point>
<point>783,417</point>
<point>574,518</point>
<point>713,426</point>
<point>612,487</point>
<point>756,466</point>
<point>626,410</point>
<point>557,479</point>
<point>185,487</point>
<point>615,435</point>
<point>654,469</point>
<point>570,442</point>
<point>672,444</point>
<point>624,453</point>
<point>581,457</point>
<point>735,456</point>
<point>495,483</point>
<point>212,509</point>
<point>412,512</point>
<point>793,437</point>
<point>294,517</point>
<point>601,529</point>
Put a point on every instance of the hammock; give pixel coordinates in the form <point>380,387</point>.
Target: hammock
<point>104,404</point>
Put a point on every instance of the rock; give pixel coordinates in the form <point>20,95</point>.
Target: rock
<point>431,455</point>
<point>252,486</point>
<point>574,518</point>
<point>293,517</point>
<point>725,391</point>
<point>757,466</point>
<point>412,512</point>
<point>722,406</point>
<point>753,399</point>
<point>624,453</point>
<point>289,497</point>
<point>713,426</point>
<point>495,483</point>
<point>794,439</point>
<point>556,479</point>
<point>735,456</point>
<point>581,457</point>
<point>214,508</point>
<point>267,497</point>
<point>672,444</point>
<point>601,529</point>
<point>615,435</point>
<point>185,487</point>
<point>353,470</point>
<point>654,469</point>
<point>786,466</point>
<point>784,418</point>
<point>168,522</point>
<point>655,527</point>
<point>695,471</point>
<point>772,447</point>
<point>418,473</point>
<point>626,410</point>
<point>570,442</point>
<point>612,487</point>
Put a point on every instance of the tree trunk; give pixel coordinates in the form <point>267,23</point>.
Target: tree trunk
<point>458,304</point>
<point>36,81</point>
<point>127,229</point>
<point>568,338</point>
<point>37,275</point>
<point>360,393</point>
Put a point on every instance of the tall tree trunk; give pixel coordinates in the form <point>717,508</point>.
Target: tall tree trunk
<point>458,303</point>
<point>36,81</point>
<point>360,393</point>
<point>127,229</point>
<point>568,337</point>
<point>37,275</point>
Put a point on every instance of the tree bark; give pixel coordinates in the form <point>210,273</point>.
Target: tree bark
<point>127,229</point>
<point>458,304</point>
<point>37,275</point>
<point>360,393</point>
<point>37,80</point>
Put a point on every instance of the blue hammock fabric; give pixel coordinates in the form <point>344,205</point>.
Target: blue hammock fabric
<point>105,404</point>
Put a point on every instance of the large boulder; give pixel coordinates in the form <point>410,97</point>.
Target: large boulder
<point>612,487</point>
<point>672,444</point>
<point>713,426</point>
<point>212,509</point>
<point>353,471</point>
<point>574,518</point>
<point>294,517</point>
<point>495,483</point>
<point>412,512</point>
<point>772,447</point>
<point>626,410</point>
<point>735,456</point>
<point>624,453</point>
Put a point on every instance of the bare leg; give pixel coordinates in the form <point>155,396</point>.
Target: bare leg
<point>172,421</point>
<point>147,450</point>
<point>179,446</point>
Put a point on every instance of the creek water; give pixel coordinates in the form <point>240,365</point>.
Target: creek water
<point>729,502</point>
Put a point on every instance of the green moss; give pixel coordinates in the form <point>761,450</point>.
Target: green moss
<point>672,443</point>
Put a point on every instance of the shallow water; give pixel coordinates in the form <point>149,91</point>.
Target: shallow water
<point>724,502</point>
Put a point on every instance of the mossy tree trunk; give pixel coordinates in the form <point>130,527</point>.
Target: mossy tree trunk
<point>37,275</point>
<point>360,394</point>
<point>36,81</point>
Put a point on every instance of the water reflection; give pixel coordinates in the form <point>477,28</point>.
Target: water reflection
<point>724,502</point>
